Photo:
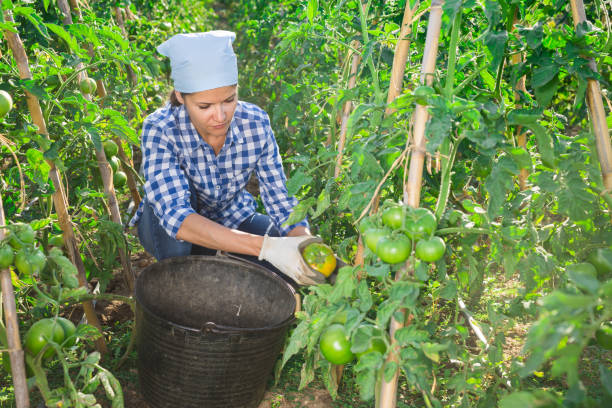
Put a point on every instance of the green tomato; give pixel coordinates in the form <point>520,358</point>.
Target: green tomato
<point>376,344</point>
<point>110,148</point>
<point>430,250</point>
<point>88,86</point>
<point>114,163</point>
<point>6,103</point>
<point>601,259</point>
<point>393,217</point>
<point>372,236</point>
<point>57,240</point>
<point>69,330</point>
<point>335,345</point>
<point>22,234</point>
<point>119,179</point>
<point>420,223</point>
<point>38,336</point>
<point>394,249</point>
<point>6,256</point>
<point>30,261</point>
<point>421,94</point>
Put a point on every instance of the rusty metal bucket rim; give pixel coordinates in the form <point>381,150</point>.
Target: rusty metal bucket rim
<point>212,327</point>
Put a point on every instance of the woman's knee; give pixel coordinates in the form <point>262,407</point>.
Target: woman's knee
<point>155,240</point>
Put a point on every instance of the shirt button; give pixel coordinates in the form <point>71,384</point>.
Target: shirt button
<point>218,187</point>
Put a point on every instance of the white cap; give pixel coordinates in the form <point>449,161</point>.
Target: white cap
<point>201,61</point>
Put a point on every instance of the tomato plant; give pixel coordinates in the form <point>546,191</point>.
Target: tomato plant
<point>601,259</point>
<point>372,237</point>
<point>393,217</point>
<point>88,86</point>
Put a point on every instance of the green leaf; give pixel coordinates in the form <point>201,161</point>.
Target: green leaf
<point>390,370</point>
<point>496,43</point>
<point>33,18</point>
<point>64,35</point>
<point>559,299</point>
<point>410,336</point>
<point>345,284</point>
<point>449,291</point>
<point>300,211</point>
<point>359,111</point>
<point>432,350</point>
<point>605,376</point>
<point>365,296</point>
<point>311,10</point>
<point>581,277</point>
<point>380,271</point>
<point>521,157</point>
<point>366,381</point>
<point>542,75</point>
<point>323,203</point>
<point>404,292</point>
<point>499,182</point>
<point>297,341</point>
<point>526,399</point>
<point>297,181</point>
<point>544,94</point>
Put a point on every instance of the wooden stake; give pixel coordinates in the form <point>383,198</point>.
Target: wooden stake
<point>105,172</point>
<point>596,109</point>
<point>59,197</point>
<point>388,390</point>
<point>521,136</point>
<point>121,24</point>
<point>346,111</point>
<point>18,370</point>
<point>396,83</point>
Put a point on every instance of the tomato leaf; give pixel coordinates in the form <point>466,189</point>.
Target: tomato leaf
<point>366,381</point>
<point>390,369</point>
<point>410,336</point>
<point>605,375</point>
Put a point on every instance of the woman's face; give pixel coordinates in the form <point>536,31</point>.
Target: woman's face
<point>211,111</point>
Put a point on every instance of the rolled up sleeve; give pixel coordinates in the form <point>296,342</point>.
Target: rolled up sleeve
<point>273,189</point>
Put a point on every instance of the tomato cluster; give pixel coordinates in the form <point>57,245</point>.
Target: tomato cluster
<point>392,234</point>
<point>110,150</point>
<point>19,249</point>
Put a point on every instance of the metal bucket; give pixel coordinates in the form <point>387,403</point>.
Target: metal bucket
<point>209,331</point>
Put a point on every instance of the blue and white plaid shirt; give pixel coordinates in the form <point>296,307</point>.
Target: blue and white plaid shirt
<point>174,153</point>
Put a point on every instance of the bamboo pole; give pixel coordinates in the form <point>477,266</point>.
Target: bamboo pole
<point>388,389</point>
<point>348,107</point>
<point>18,370</point>
<point>59,197</point>
<point>105,171</point>
<point>596,109</point>
<point>121,24</point>
<point>402,47</point>
<point>521,136</point>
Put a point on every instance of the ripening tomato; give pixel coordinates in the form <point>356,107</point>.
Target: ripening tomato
<point>394,249</point>
<point>114,163</point>
<point>430,250</point>
<point>30,260</point>
<point>320,257</point>
<point>335,345</point>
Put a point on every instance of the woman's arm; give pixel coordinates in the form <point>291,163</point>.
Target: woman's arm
<point>201,231</point>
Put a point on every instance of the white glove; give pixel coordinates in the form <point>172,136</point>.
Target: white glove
<point>284,253</point>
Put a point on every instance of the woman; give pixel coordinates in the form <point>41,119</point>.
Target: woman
<point>198,153</point>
